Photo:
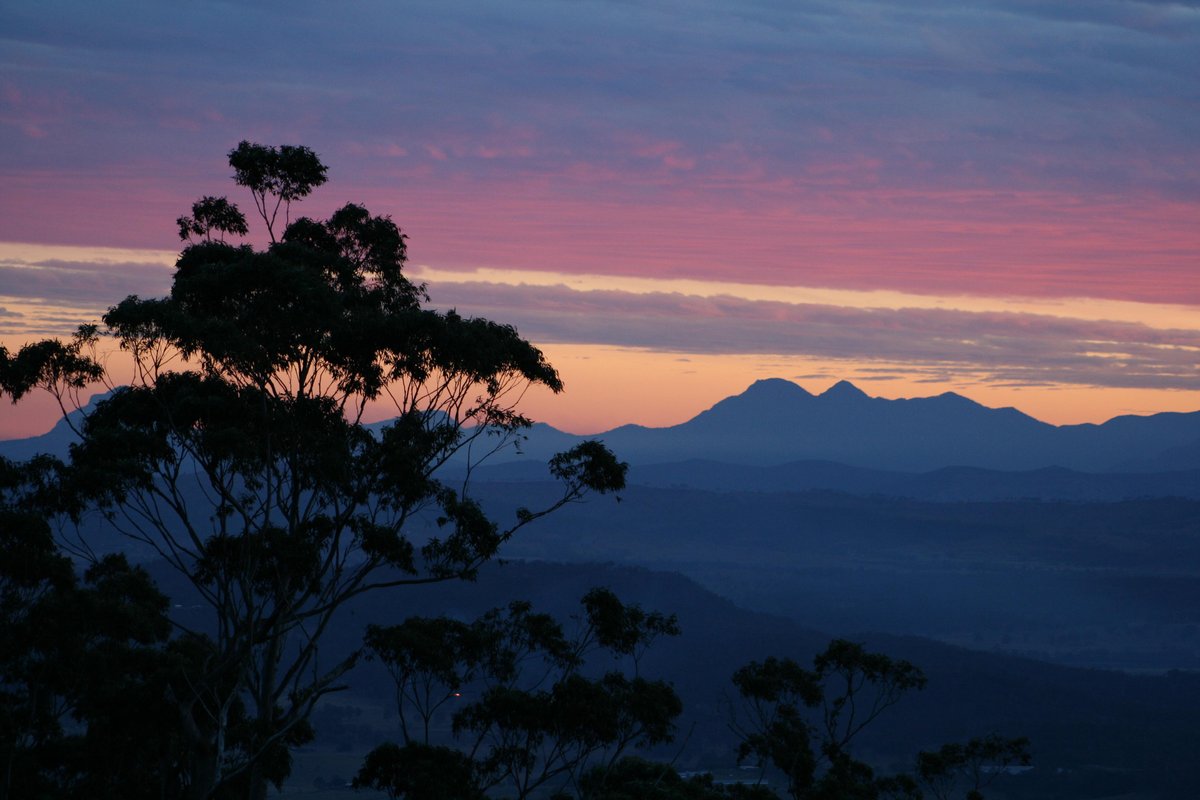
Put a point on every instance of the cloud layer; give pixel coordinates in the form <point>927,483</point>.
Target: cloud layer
<point>50,296</point>
<point>988,146</point>
<point>1007,348</point>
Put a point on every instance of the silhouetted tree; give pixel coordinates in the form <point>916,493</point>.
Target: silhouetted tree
<point>803,721</point>
<point>239,456</point>
<point>211,214</point>
<point>417,771</point>
<point>974,764</point>
<point>528,717</point>
<point>82,666</point>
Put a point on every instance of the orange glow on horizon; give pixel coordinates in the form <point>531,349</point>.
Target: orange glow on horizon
<point>611,386</point>
<point>607,387</point>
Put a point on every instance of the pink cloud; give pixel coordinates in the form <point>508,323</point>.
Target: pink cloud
<point>595,218</point>
<point>906,149</point>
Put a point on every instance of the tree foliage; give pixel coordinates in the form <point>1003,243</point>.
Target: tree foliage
<point>803,721</point>
<point>239,454</point>
<point>523,708</point>
<point>974,764</point>
<point>79,652</point>
<point>417,771</point>
<point>62,367</point>
<point>213,214</point>
<point>276,176</point>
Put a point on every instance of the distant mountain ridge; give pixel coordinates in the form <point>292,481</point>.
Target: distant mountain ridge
<point>776,421</point>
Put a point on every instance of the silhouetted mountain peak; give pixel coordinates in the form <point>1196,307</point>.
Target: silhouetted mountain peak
<point>775,389</point>
<point>58,439</point>
<point>762,399</point>
<point>844,391</point>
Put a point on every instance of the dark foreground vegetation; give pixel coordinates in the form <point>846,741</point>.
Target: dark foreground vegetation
<point>249,384</point>
<point>283,531</point>
<point>1093,733</point>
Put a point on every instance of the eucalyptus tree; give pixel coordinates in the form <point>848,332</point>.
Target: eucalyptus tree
<point>803,721</point>
<point>973,764</point>
<point>239,453</point>
<point>524,698</point>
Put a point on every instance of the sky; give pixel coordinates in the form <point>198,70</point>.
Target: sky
<point>671,199</point>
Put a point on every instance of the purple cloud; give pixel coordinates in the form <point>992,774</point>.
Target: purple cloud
<point>1011,347</point>
<point>1043,147</point>
<point>81,283</point>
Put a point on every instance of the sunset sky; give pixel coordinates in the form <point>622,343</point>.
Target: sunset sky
<point>672,199</point>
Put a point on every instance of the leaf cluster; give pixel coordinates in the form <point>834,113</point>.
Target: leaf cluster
<point>803,721</point>
<point>212,214</point>
<point>49,363</point>
<point>81,671</point>
<point>975,764</point>
<point>523,707</point>
<point>276,175</point>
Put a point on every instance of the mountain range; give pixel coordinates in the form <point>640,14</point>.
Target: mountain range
<point>776,422</point>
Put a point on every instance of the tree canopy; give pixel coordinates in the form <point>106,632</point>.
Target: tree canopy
<point>514,689</point>
<point>238,453</point>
